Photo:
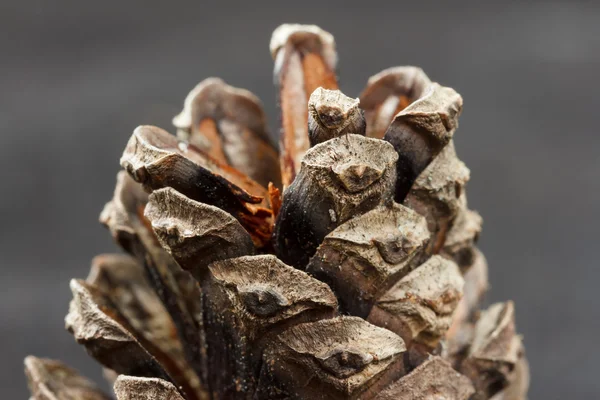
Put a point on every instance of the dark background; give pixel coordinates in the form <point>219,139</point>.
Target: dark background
<point>77,77</point>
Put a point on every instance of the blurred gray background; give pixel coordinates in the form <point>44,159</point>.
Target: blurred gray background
<point>77,77</point>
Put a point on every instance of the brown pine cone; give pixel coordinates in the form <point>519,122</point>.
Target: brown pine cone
<point>362,280</point>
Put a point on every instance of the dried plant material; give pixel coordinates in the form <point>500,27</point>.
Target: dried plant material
<point>263,291</point>
<point>421,131</point>
<point>121,214</point>
<point>419,307</point>
<point>460,332</point>
<point>305,59</point>
<point>340,179</point>
<point>437,195</point>
<point>494,351</point>
<point>181,295</point>
<point>364,256</point>
<point>462,236</point>
<point>340,358</point>
<point>52,380</point>
<point>229,124</point>
<point>123,281</point>
<point>177,289</point>
<point>331,114</point>
<point>274,199</point>
<point>195,234</point>
<point>97,324</point>
<point>151,151</point>
<point>136,388</point>
<point>157,159</point>
<point>390,92</point>
<point>434,379</point>
<point>380,224</point>
<point>518,382</point>
<point>248,301</point>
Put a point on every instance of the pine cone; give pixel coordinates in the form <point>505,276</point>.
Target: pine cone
<point>362,281</point>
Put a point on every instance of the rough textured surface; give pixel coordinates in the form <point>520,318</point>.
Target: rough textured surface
<point>230,124</point>
<point>364,256</point>
<point>52,380</point>
<point>305,59</point>
<point>340,358</point>
<point>389,92</point>
<point>332,114</point>
<point>121,215</point>
<point>419,307</point>
<point>157,159</point>
<point>494,352</point>
<point>176,288</point>
<point>438,193</point>
<point>434,379</point>
<point>476,285</point>
<point>97,324</point>
<point>79,76</point>
<point>264,291</point>
<point>252,327</point>
<point>249,300</point>
<point>195,234</point>
<point>135,388</point>
<point>123,281</point>
<point>459,243</point>
<point>339,179</point>
<point>420,131</point>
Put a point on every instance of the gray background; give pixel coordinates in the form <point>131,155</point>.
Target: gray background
<point>77,77</point>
